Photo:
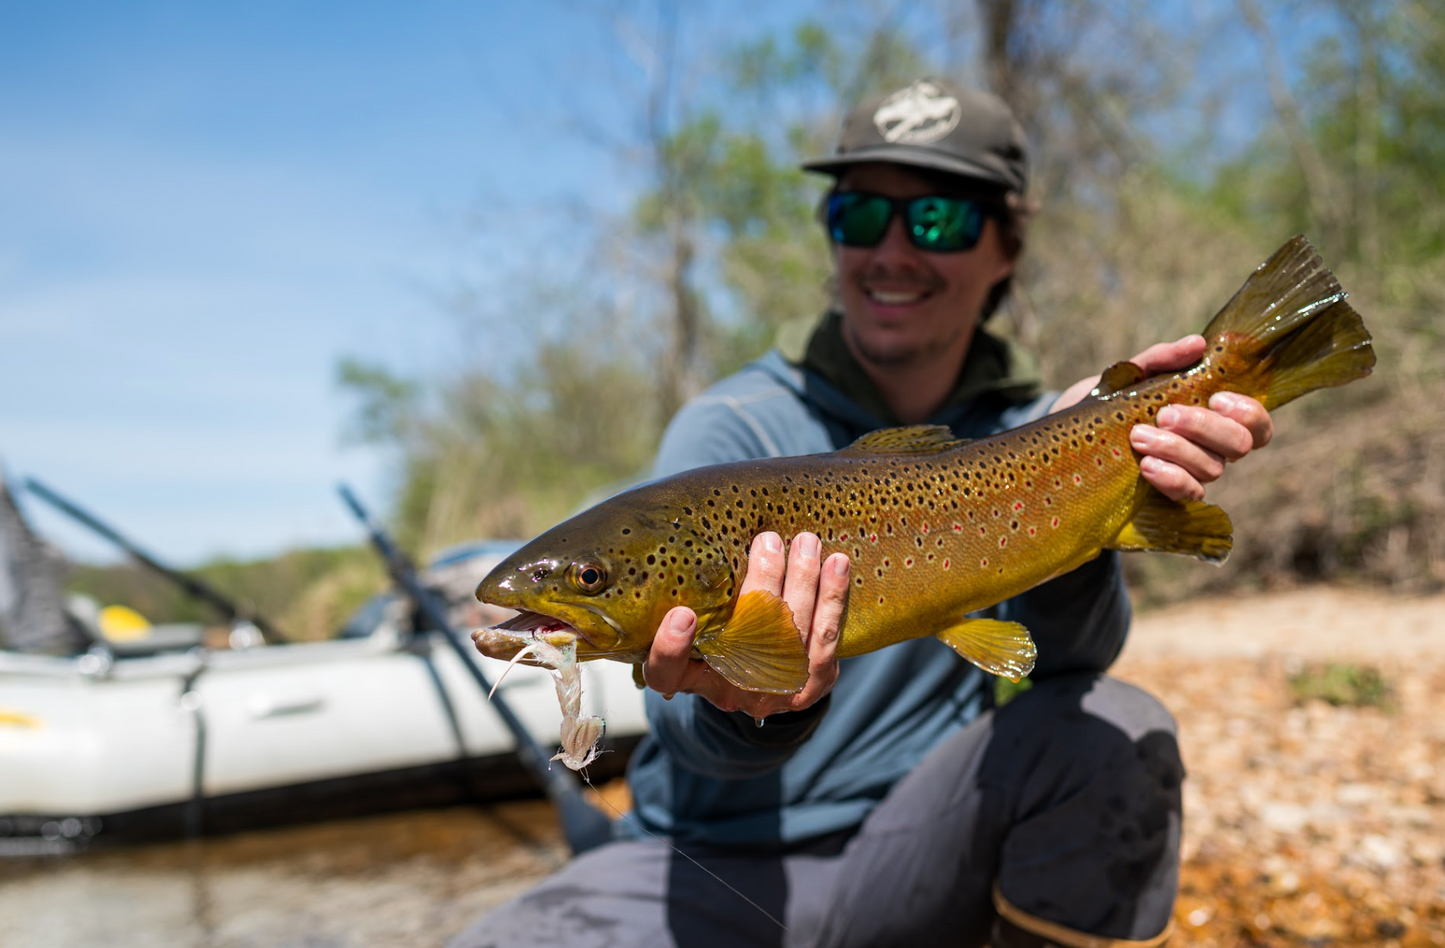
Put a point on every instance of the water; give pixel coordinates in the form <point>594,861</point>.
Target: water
<point>413,878</point>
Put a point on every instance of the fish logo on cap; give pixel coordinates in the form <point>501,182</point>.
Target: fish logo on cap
<point>921,114</point>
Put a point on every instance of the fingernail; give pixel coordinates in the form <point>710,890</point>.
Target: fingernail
<point>808,546</point>
<point>1168,416</point>
<point>839,565</point>
<point>772,542</point>
<point>667,696</point>
<point>1141,436</point>
<point>1223,401</point>
<point>682,624</point>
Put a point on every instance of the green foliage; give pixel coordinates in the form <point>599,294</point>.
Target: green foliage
<point>1342,685</point>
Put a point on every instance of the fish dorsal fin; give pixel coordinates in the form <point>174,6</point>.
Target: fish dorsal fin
<point>914,439</point>
<point>1189,527</point>
<point>759,649</point>
<point>1117,378</point>
<point>998,647</point>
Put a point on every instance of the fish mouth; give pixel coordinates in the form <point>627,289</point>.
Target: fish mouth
<point>505,639</point>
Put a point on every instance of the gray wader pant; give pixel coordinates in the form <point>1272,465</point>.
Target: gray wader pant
<point>1054,820</point>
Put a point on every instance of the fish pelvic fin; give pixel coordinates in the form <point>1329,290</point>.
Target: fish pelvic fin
<point>998,647</point>
<point>1289,331</point>
<point>912,439</point>
<point>1189,527</point>
<point>760,649</point>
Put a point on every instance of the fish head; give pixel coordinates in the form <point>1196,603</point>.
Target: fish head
<point>607,576</point>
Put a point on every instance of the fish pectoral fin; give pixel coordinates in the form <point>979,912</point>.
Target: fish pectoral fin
<point>760,649</point>
<point>913,439</point>
<point>1117,378</point>
<point>1188,527</point>
<point>998,647</point>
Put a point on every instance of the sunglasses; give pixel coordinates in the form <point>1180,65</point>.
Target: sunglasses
<point>934,223</point>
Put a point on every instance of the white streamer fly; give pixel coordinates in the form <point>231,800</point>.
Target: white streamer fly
<point>580,733</point>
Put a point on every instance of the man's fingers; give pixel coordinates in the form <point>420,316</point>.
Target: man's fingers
<point>828,612</point>
<point>823,636</point>
<point>800,590</point>
<point>669,660</point>
<point>766,564</point>
<point>1249,413</point>
<point>1169,356</point>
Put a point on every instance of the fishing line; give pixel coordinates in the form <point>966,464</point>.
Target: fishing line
<point>625,818</point>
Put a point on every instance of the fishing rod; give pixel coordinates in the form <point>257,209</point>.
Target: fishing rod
<point>583,824</point>
<point>193,586</point>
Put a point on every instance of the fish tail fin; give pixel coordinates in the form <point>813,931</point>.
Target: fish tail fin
<point>1288,330</point>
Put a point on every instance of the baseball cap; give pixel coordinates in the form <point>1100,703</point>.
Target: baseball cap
<point>936,125</point>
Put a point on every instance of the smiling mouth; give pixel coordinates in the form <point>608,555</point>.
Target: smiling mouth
<point>896,297</point>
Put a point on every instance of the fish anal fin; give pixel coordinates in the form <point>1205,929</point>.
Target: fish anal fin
<point>1119,377</point>
<point>759,649</point>
<point>998,647</point>
<point>913,439</point>
<point>1188,527</point>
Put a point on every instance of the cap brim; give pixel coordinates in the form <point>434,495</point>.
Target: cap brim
<point>916,158</point>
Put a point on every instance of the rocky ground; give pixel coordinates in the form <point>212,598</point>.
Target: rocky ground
<point>1312,730</point>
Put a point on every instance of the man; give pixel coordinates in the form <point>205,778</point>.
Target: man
<point>890,802</point>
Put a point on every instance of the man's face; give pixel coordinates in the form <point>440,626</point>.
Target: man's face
<point>904,307</point>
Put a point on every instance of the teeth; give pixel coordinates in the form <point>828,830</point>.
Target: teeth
<point>895,297</point>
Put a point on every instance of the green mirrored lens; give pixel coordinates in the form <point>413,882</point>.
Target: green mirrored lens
<point>939,223</point>
<point>858,220</point>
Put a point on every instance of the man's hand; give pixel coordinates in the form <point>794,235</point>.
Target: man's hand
<point>814,591</point>
<point>1188,446</point>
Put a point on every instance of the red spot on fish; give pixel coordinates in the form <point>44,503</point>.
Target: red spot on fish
<point>908,562</point>
<point>1055,522</point>
<point>1018,505</point>
<point>1117,454</point>
<point>1033,530</point>
<point>1078,479</point>
<point>983,562</point>
<point>945,564</point>
<point>958,528</point>
<point>1002,542</point>
<point>872,538</point>
<point>924,528</point>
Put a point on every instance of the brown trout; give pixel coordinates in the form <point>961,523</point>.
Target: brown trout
<point>935,528</point>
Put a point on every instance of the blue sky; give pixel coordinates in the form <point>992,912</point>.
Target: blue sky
<point>204,206</point>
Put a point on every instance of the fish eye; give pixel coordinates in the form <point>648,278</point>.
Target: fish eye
<point>587,576</point>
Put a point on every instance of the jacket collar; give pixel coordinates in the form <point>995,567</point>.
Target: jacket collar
<point>993,366</point>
